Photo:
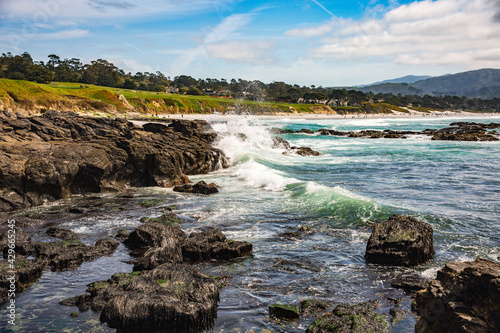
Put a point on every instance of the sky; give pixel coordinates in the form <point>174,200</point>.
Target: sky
<point>313,42</point>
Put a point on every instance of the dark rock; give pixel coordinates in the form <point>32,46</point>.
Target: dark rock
<point>275,130</point>
<point>200,188</point>
<point>71,254</point>
<point>465,297</point>
<point>62,233</point>
<point>58,154</point>
<point>280,143</point>
<point>153,234</point>
<point>400,241</point>
<point>23,244</point>
<point>350,318</point>
<point>76,210</point>
<point>168,219</point>
<point>397,315</point>
<point>282,311</point>
<point>305,131</point>
<point>301,232</point>
<point>325,131</point>
<point>26,272</point>
<point>171,298</point>
<point>210,244</point>
<point>302,151</point>
<point>122,234</point>
<point>313,307</point>
<point>410,286</point>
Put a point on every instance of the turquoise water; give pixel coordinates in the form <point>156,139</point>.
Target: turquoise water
<point>454,186</point>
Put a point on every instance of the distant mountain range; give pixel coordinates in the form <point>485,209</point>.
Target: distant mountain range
<point>482,83</point>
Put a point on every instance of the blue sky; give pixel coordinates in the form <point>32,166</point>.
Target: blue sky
<point>320,42</point>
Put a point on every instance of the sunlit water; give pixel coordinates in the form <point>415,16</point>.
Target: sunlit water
<point>454,186</point>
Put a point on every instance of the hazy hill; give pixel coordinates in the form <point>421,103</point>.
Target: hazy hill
<point>483,83</point>
<point>404,79</point>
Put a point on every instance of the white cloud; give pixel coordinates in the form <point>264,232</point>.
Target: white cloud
<point>64,34</point>
<point>220,32</point>
<point>441,32</point>
<point>309,32</point>
<point>251,52</point>
<point>106,8</point>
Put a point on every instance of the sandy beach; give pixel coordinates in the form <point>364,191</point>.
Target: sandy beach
<point>330,116</point>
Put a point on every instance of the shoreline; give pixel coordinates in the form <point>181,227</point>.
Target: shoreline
<point>395,115</point>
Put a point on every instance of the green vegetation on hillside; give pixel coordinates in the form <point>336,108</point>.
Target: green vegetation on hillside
<point>101,86</point>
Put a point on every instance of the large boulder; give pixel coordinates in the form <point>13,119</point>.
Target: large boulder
<point>465,297</point>
<point>169,298</point>
<point>210,243</point>
<point>50,157</point>
<point>400,241</point>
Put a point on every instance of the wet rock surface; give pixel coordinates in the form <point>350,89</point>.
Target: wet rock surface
<point>465,297</point>
<point>60,153</point>
<point>62,233</point>
<point>29,259</point>
<point>199,188</point>
<point>170,298</point>
<point>458,131</point>
<point>163,293</point>
<point>400,241</point>
<point>351,318</point>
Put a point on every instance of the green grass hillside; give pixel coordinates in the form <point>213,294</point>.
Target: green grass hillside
<point>31,98</point>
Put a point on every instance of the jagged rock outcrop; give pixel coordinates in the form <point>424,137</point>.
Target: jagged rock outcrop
<point>59,154</point>
<point>400,241</point>
<point>465,297</point>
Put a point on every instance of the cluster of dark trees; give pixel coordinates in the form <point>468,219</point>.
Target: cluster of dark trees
<point>104,73</point>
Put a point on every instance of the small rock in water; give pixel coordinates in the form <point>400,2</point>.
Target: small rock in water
<point>351,318</point>
<point>62,233</point>
<point>400,241</point>
<point>200,188</point>
<point>283,311</point>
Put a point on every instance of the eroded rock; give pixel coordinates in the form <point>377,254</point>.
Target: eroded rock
<point>465,297</point>
<point>400,241</point>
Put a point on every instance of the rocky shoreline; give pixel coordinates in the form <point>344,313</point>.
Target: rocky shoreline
<point>57,155</point>
<point>458,131</point>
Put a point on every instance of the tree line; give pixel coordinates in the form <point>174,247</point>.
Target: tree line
<point>104,73</point>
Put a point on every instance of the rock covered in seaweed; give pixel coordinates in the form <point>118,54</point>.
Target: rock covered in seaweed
<point>170,298</point>
<point>400,241</point>
<point>465,297</point>
<point>351,318</point>
<point>62,233</point>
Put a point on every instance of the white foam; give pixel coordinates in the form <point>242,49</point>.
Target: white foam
<point>260,176</point>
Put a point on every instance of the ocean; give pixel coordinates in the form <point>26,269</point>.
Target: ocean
<point>356,182</point>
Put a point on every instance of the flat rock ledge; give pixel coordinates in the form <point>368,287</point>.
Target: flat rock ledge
<point>60,255</point>
<point>351,318</point>
<point>400,241</point>
<point>465,297</point>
